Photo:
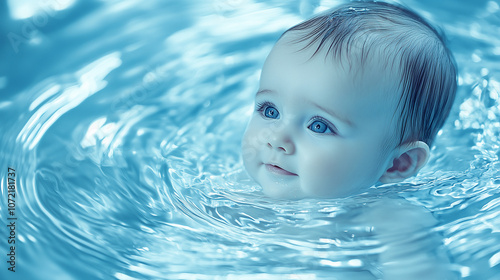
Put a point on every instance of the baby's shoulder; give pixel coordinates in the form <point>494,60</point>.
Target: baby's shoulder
<point>397,214</point>
<point>411,248</point>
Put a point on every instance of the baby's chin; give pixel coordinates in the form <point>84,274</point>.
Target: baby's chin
<point>288,192</point>
<point>283,191</point>
<point>296,193</point>
<point>288,195</point>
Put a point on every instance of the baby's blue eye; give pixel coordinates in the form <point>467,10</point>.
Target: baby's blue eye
<point>320,126</point>
<point>271,112</point>
<point>268,110</point>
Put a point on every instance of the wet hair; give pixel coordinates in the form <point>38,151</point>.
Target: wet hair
<point>427,68</point>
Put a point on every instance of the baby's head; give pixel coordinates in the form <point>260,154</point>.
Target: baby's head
<point>346,99</point>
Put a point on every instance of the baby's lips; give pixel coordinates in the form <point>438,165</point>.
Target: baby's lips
<point>279,170</point>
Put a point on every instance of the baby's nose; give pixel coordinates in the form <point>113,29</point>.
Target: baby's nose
<point>281,141</point>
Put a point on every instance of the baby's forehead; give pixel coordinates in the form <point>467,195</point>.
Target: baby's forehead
<point>375,68</point>
<point>361,52</point>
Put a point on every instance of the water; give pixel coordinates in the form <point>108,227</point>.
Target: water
<point>123,120</point>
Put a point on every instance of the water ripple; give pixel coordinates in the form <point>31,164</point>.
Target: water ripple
<point>91,80</point>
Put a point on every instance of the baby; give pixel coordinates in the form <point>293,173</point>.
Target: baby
<point>349,98</point>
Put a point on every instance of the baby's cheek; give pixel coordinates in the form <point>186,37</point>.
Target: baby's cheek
<point>257,134</point>
<point>333,172</point>
<point>248,149</point>
<point>321,171</point>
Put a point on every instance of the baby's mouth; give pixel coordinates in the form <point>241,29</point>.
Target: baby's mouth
<point>278,170</point>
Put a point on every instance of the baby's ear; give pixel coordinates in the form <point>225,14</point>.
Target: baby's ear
<point>410,158</point>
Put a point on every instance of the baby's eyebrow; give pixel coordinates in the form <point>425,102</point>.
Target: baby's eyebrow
<point>264,91</point>
<point>335,115</point>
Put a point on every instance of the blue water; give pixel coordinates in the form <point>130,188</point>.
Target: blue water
<point>123,122</point>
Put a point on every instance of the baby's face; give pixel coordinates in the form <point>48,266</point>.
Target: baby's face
<point>318,129</point>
